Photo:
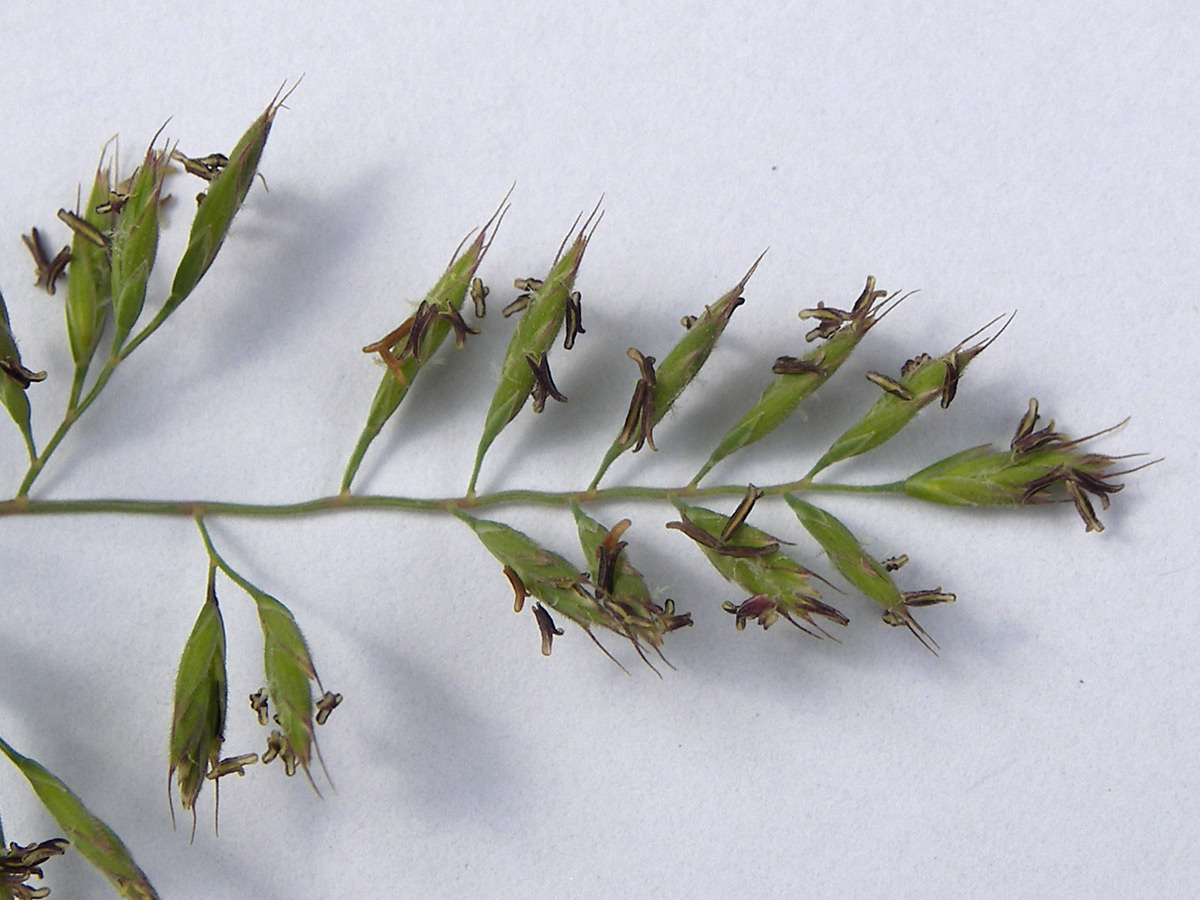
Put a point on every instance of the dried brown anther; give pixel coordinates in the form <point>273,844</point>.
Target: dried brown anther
<point>19,864</point>
<point>607,553</point>
<point>275,746</point>
<point>893,387</point>
<point>739,515</point>
<point>543,383</point>
<point>1026,440</point>
<point>915,363</point>
<point>760,607</point>
<point>233,765</point>
<point>259,703</point>
<point>861,316</point>
<point>48,270</point>
<point>718,546</point>
<point>892,563</point>
<point>328,703</point>
<point>640,418</point>
<point>479,292</point>
<point>461,328</point>
<point>206,167</point>
<point>18,373</point>
<point>790,365</point>
<point>527,284</point>
<point>1075,481</point>
<point>926,598</point>
<point>517,305</point>
<point>546,626</point>
<point>518,586</point>
<point>84,228</point>
<point>113,205</point>
<point>574,317</point>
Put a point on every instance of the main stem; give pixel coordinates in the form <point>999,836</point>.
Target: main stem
<point>23,505</point>
<point>75,407</point>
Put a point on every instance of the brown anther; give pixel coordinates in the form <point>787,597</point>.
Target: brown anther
<point>740,514</point>
<point>574,317</point>
<point>479,292</point>
<point>422,319</point>
<point>714,543</point>
<point>546,626</point>
<point>461,328</point>
<point>84,228</point>
<point>893,387</point>
<point>927,598</point>
<point>640,418</point>
<point>275,746</point>
<point>1026,440</point>
<point>760,607</point>
<point>206,167</point>
<point>517,305</point>
<point>233,765</point>
<point>48,270</point>
<point>287,756</point>
<point>950,382</point>
<point>328,703</point>
<point>867,298</point>
<point>607,553</point>
<point>790,365</point>
<point>518,586</point>
<point>18,373</point>
<point>114,204</point>
<point>200,197</point>
<point>527,284</point>
<point>688,321</point>
<point>259,703</point>
<point>892,563</point>
<point>915,363</point>
<point>543,386</point>
<point>634,415</point>
<point>1084,506</point>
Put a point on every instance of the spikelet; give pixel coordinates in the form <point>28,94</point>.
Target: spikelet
<point>90,836</point>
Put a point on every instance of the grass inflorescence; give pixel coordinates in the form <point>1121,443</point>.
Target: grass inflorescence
<point>114,240</point>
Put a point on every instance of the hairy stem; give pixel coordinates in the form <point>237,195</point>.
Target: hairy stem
<point>23,505</point>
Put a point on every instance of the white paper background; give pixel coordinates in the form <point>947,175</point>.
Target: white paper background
<point>1032,157</point>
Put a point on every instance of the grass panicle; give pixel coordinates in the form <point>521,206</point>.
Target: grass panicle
<point>108,267</point>
<point>98,843</point>
<point>406,350</point>
<point>539,325</point>
<point>201,699</point>
<point>680,366</point>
